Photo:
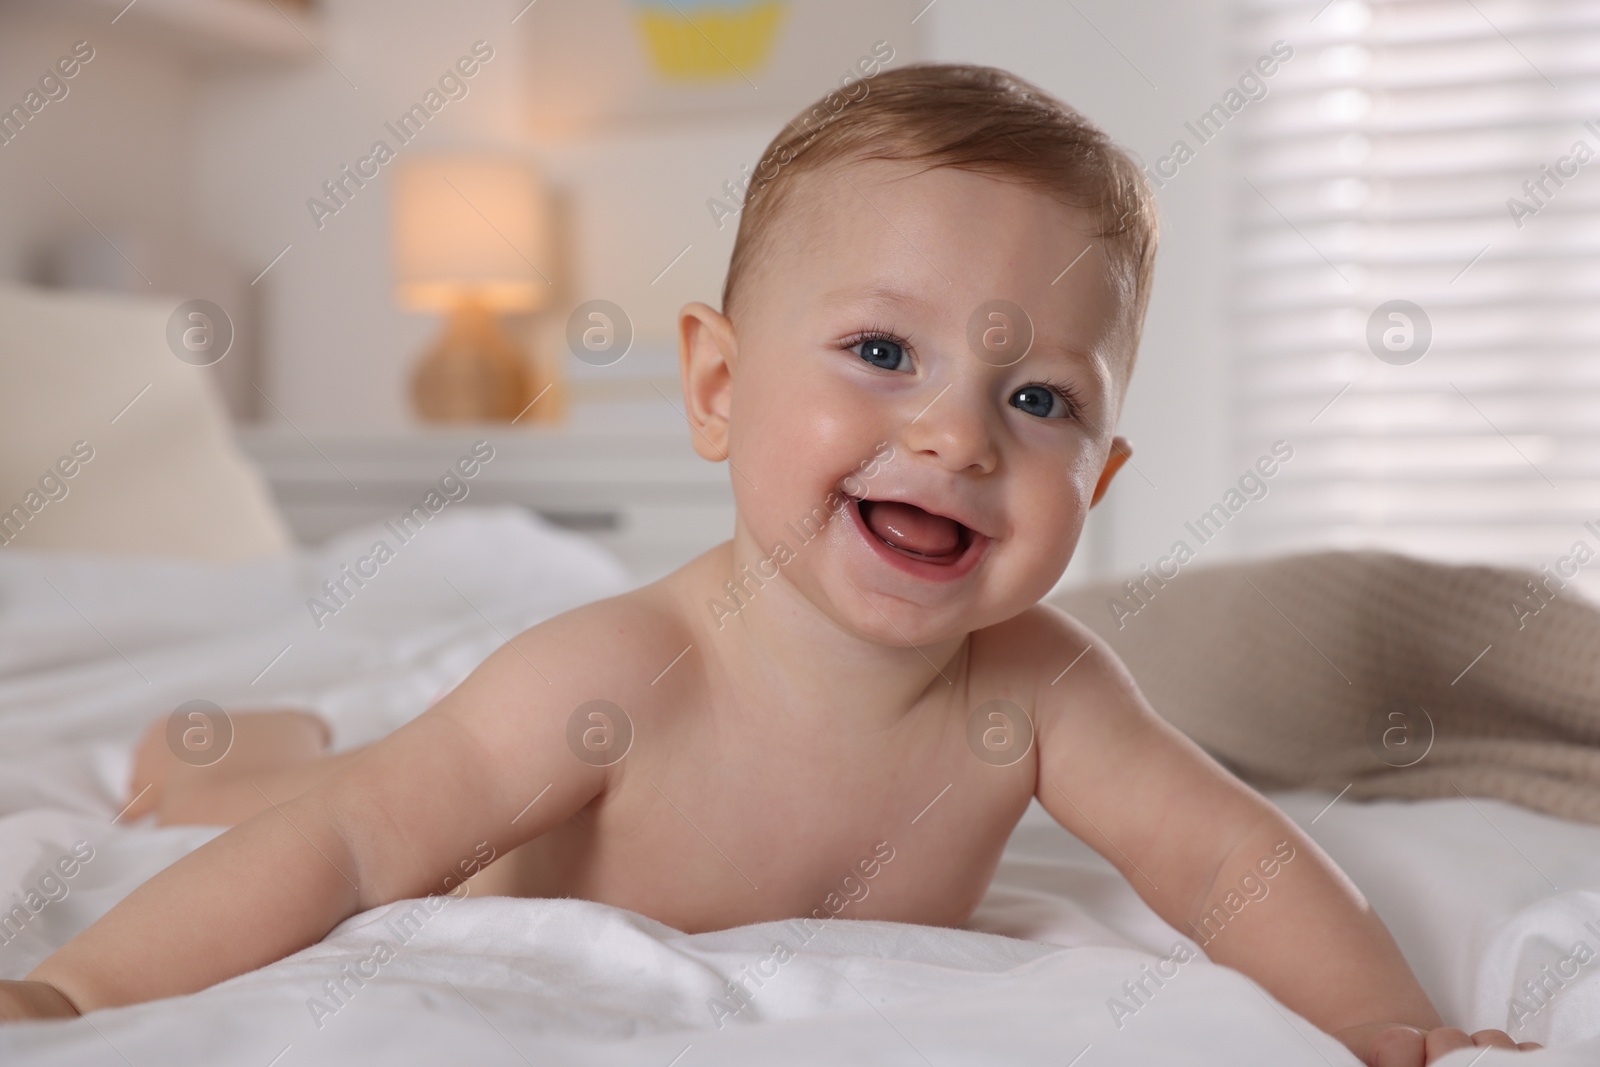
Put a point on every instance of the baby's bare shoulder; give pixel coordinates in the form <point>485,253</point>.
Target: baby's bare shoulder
<point>1043,643</point>
<point>618,644</point>
<point>1053,664</point>
<point>579,678</point>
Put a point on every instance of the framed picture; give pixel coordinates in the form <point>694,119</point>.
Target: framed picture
<point>603,63</point>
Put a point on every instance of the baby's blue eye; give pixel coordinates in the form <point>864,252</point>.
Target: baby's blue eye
<point>882,352</point>
<point>1038,400</point>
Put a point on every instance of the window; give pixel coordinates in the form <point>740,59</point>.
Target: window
<point>1444,154</point>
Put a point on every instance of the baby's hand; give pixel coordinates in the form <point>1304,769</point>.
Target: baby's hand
<point>1401,1045</point>
<point>33,1000</point>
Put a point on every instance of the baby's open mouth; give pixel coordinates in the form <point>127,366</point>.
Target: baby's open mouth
<point>909,529</point>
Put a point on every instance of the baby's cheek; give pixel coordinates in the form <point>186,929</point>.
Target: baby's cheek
<point>1052,521</point>
<point>776,422</point>
<point>1044,537</point>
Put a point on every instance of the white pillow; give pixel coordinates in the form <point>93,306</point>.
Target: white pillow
<point>164,478</point>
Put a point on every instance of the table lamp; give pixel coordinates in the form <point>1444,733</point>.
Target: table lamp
<point>472,238</point>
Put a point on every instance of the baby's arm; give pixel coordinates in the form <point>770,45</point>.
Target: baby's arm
<point>396,823</point>
<point>1192,839</point>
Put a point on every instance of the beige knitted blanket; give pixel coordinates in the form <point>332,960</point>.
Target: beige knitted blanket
<point>1394,676</point>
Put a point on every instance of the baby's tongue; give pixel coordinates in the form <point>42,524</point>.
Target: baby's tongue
<point>909,527</point>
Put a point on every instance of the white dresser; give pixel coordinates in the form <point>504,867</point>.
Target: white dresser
<point>628,478</point>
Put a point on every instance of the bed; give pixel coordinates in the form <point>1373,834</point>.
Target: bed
<point>1482,895</point>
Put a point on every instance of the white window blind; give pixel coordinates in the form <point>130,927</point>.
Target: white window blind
<point>1379,168</point>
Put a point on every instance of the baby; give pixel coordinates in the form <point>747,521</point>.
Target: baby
<point>927,331</point>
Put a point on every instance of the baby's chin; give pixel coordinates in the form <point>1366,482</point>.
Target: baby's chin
<point>891,630</point>
<point>926,630</point>
<point>895,615</point>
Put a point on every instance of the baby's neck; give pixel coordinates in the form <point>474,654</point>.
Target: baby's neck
<point>769,640</point>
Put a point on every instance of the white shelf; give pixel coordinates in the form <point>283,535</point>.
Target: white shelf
<point>217,33</point>
<point>638,490</point>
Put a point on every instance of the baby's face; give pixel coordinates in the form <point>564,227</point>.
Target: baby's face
<point>867,334</point>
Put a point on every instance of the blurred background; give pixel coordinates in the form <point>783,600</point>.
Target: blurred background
<point>1380,237</point>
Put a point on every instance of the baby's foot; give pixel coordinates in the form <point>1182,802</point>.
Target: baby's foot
<point>180,792</point>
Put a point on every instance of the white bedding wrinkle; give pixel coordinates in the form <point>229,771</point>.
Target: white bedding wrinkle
<point>1137,992</point>
<point>335,592</point>
<point>1468,887</point>
<point>1536,993</point>
<point>52,887</point>
<point>740,991</point>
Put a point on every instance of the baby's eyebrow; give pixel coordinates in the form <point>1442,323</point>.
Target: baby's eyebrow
<point>1092,360</point>
<point>877,293</point>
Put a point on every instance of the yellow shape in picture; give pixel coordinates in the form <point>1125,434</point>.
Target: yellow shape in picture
<point>709,41</point>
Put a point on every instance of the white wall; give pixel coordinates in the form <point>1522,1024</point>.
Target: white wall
<point>98,130</point>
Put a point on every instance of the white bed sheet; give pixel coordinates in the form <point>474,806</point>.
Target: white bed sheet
<point>1480,894</point>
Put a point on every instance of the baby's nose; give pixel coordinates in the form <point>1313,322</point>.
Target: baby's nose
<point>954,428</point>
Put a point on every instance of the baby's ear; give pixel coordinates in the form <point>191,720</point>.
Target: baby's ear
<point>707,350</point>
<point>1120,451</point>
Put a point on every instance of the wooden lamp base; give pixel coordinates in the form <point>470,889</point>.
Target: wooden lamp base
<point>476,373</point>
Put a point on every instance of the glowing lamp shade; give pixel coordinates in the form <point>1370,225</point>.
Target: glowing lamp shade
<point>476,228</point>
<point>472,238</point>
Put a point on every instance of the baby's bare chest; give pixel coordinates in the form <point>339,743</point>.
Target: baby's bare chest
<point>708,829</point>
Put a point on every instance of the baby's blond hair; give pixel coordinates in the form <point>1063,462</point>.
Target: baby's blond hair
<point>974,118</point>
